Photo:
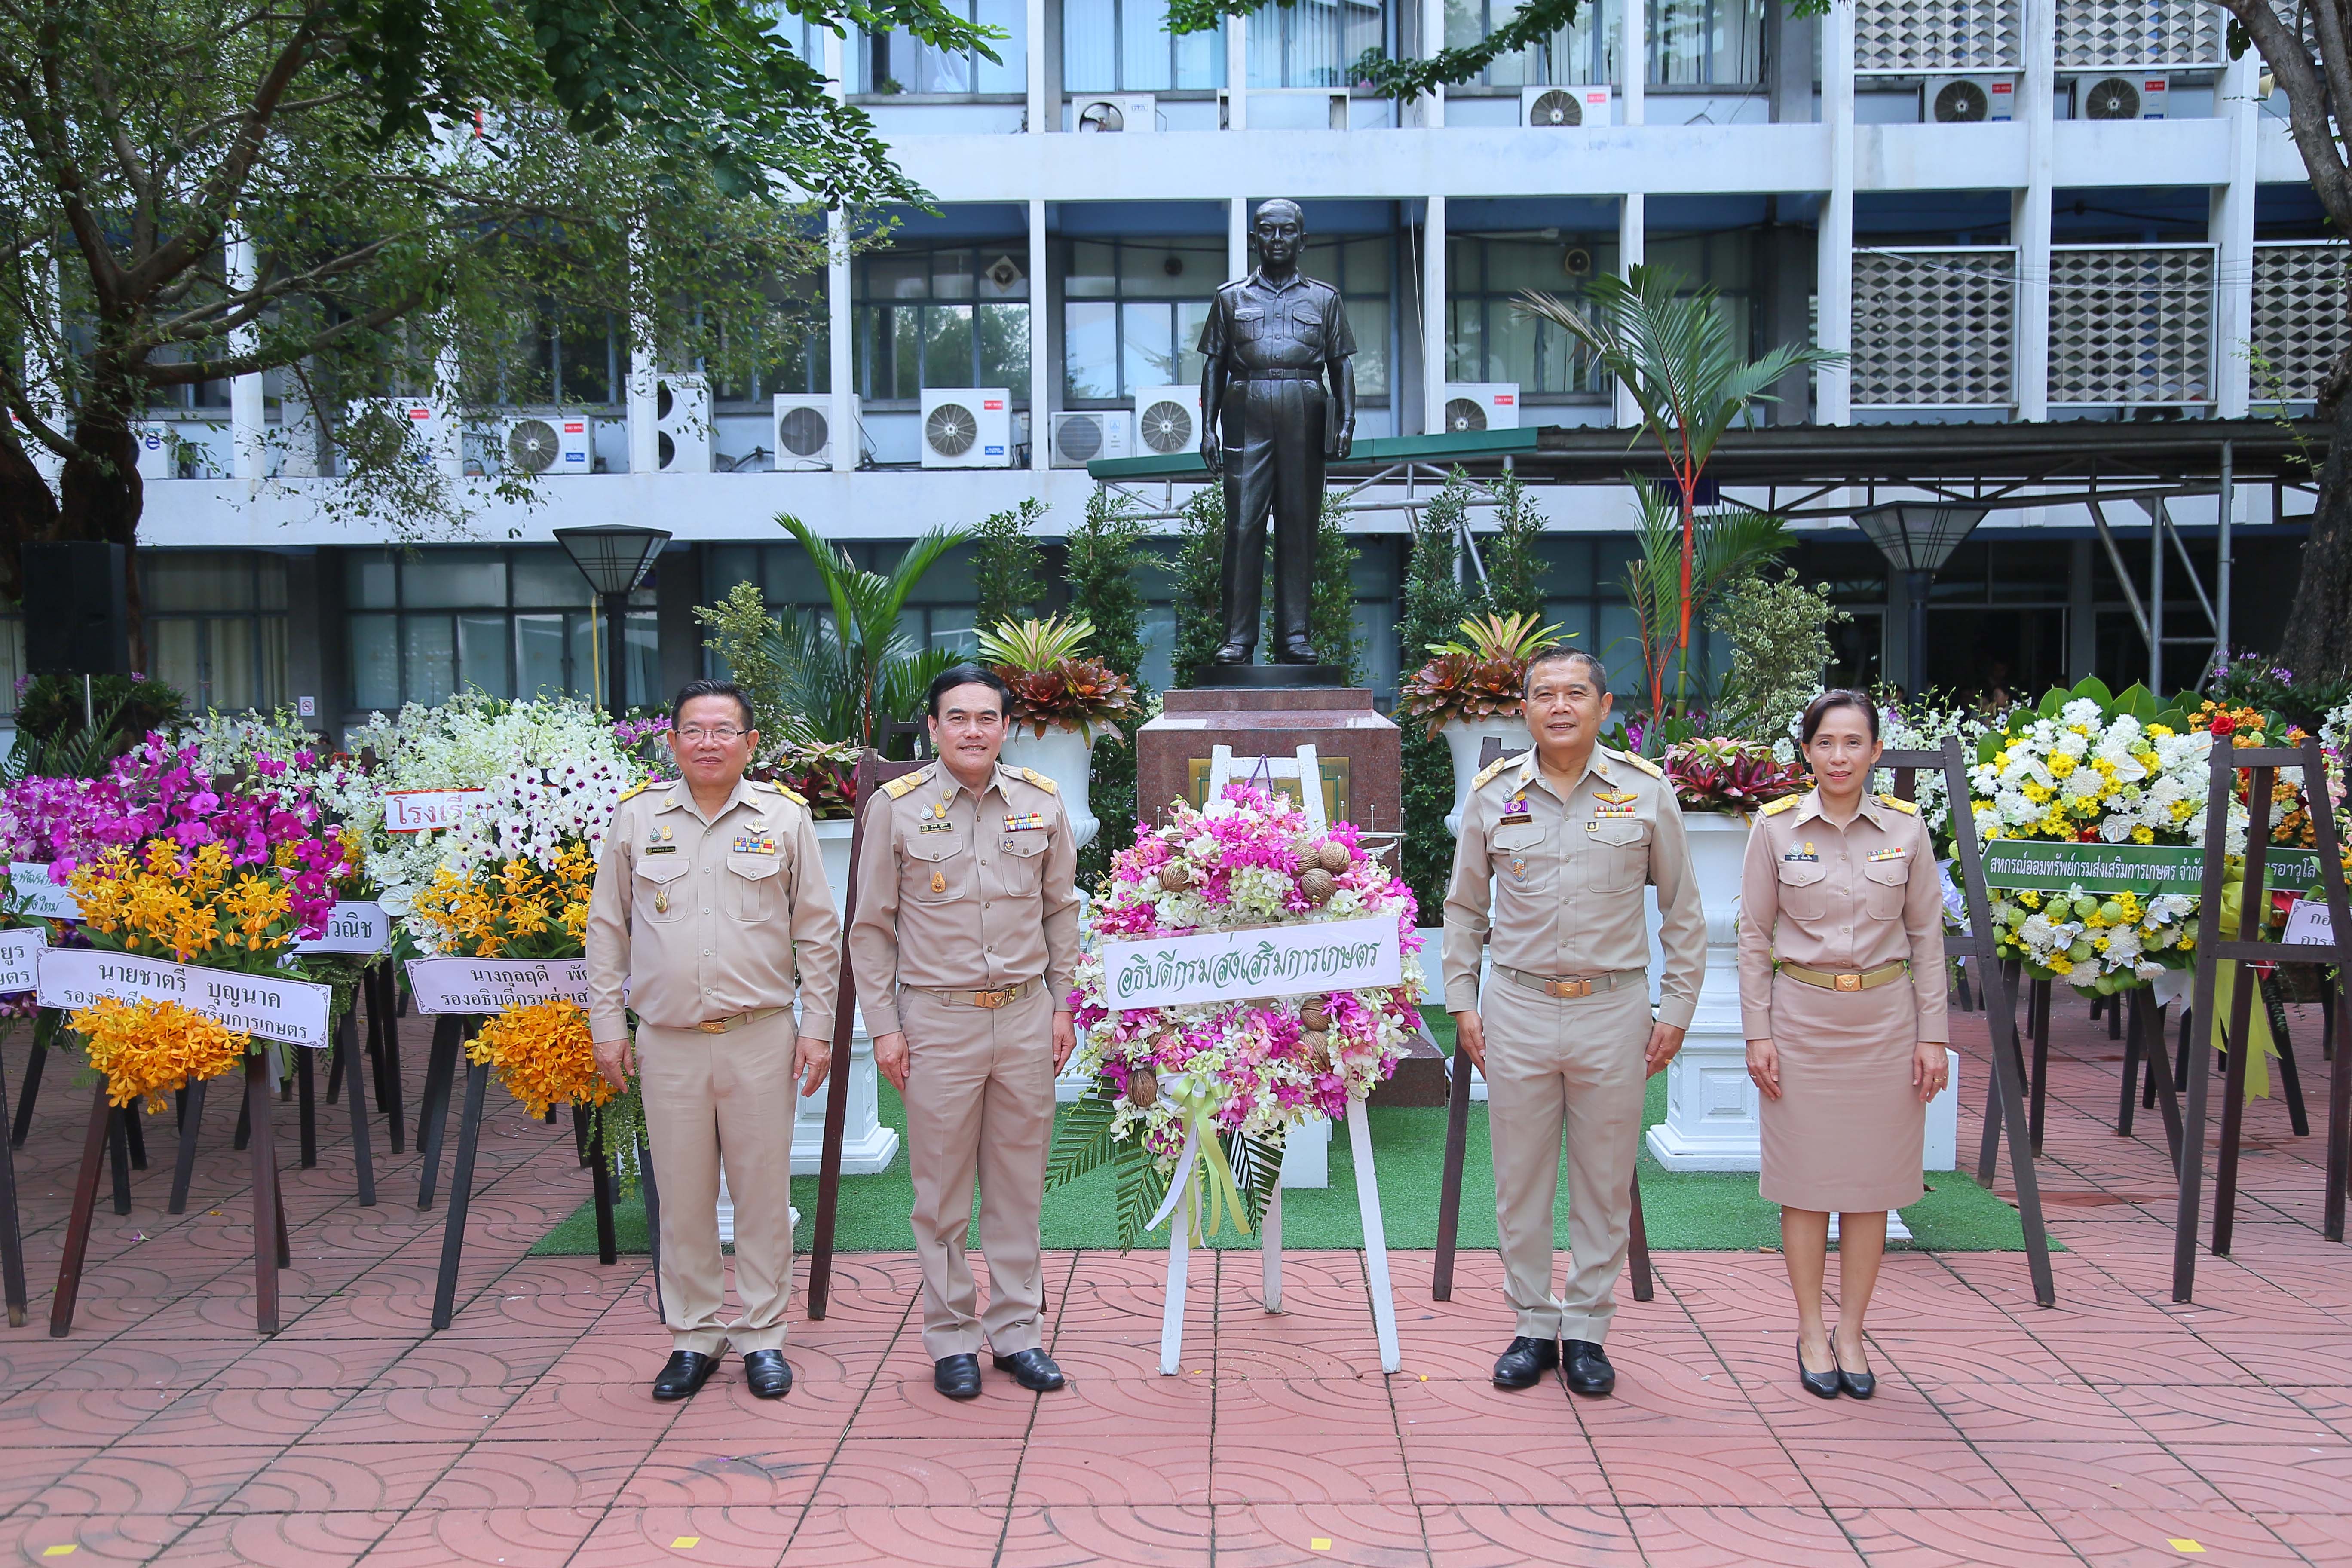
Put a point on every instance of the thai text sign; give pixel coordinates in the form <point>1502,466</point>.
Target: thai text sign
<point>1233,965</point>
<point>494,984</point>
<point>2054,867</point>
<point>37,895</point>
<point>416,810</point>
<point>2308,924</point>
<point>292,1011</point>
<point>20,958</point>
<point>351,928</point>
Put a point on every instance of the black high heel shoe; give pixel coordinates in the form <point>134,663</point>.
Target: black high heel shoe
<point>1821,1384</point>
<point>1858,1384</point>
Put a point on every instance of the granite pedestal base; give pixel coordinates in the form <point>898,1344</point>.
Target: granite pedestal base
<point>1359,749</point>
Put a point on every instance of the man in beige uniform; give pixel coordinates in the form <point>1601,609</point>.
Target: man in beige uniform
<point>709,893</point>
<point>965,943</point>
<point>1567,835</point>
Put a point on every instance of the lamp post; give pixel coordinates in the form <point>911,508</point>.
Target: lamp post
<point>1918,538</point>
<point>614,558</point>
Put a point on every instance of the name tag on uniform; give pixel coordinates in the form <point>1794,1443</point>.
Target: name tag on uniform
<point>1896,854</point>
<point>927,825</point>
<point>661,848</point>
<point>1023,824</point>
<point>752,844</point>
<point>1804,854</point>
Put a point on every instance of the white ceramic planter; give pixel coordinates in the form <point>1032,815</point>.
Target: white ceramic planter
<point>1464,742</point>
<point>1065,757</point>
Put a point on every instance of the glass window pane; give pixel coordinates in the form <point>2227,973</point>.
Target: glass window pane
<point>175,650</point>
<point>1190,317</point>
<point>1621,645</point>
<point>897,276</point>
<point>1696,42</point>
<point>643,632</point>
<point>1369,320</point>
<point>539,655</point>
<point>1089,46</point>
<point>1143,52</point>
<point>947,349</point>
<point>585,636</point>
<point>544,578</point>
<point>206,580</point>
<point>482,655</point>
<point>951,274</point>
<point>1148,346</point>
<point>1201,65</point>
<point>1005,348</point>
<point>1368,265</point>
<point>1089,350</point>
<point>453,579</point>
<point>430,645</point>
<point>371,581</point>
<point>587,367</point>
<point>375,663</point>
<point>1465,346</point>
<point>1094,269</point>
<point>235,657</point>
<point>1010,71</point>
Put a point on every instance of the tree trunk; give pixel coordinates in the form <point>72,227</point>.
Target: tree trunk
<point>2318,642</point>
<point>98,497</point>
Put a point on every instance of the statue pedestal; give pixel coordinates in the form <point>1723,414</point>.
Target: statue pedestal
<point>1360,750</point>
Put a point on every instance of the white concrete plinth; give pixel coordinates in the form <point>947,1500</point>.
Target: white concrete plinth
<point>866,1146</point>
<point>1711,1106</point>
<point>727,1214</point>
<point>1307,1156</point>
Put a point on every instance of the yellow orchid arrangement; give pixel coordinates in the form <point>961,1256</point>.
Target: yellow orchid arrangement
<point>518,908</point>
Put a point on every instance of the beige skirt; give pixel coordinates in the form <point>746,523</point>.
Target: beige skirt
<point>1848,1131</point>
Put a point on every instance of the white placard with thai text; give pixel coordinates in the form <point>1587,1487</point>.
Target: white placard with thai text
<point>494,984</point>
<point>20,958</point>
<point>291,1011</point>
<point>2308,924</point>
<point>37,895</point>
<point>1233,965</point>
<point>353,927</point>
<point>416,810</point>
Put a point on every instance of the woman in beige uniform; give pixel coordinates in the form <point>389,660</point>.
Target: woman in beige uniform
<point>1841,995</point>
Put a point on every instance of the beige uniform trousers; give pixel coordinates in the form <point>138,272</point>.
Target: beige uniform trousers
<point>979,1102</point>
<point>1574,1062</point>
<point>708,1099</point>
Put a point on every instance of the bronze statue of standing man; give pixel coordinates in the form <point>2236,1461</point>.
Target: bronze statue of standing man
<point>1273,343</point>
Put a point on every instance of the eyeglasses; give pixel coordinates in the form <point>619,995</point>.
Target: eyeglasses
<point>694,733</point>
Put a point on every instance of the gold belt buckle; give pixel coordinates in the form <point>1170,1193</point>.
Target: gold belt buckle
<point>1849,982</point>
<point>1571,988</point>
<point>1000,997</point>
<point>713,1025</point>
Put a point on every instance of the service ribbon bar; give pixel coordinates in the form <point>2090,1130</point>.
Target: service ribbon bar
<point>481,985</point>
<point>293,1011</point>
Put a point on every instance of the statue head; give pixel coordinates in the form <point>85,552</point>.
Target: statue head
<point>1281,230</point>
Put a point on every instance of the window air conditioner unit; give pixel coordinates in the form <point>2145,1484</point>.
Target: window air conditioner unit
<point>804,432</point>
<point>546,445</point>
<point>1115,112</point>
<point>1081,437</point>
<point>680,405</point>
<point>433,439</point>
<point>1481,405</point>
<point>1969,99</point>
<point>158,449</point>
<point>2121,95</point>
<point>967,428</point>
<point>1167,420</point>
<point>1577,104</point>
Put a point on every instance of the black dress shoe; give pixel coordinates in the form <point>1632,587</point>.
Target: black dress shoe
<point>1231,652</point>
<point>1822,1385</point>
<point>1298,653</point>
<point>1524,1364</point>
<point>1033,1369</point>
<point>767,1373</point>
<point>683,1376</point>
<point>957,1376</point>
<point>1588,1369</point>
<point>1856,1385</point>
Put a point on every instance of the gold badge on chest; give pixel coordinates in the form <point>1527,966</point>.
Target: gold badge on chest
<point>939,883</point>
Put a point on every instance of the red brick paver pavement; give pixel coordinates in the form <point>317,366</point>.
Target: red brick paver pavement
<point>2114,1428</point>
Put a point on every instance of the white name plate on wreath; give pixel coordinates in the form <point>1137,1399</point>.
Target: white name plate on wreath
<point>37,895</point>
<point>292,1011</point>
<point>20,958</point>
<point>353,927</point>
<point>418,810</point>
<point>494,984</point>
<point>1234,965</point>
<point>2308,924</point>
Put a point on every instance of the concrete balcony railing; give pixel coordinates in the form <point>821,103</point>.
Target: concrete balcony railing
<point>1935,327</point>
<point>2300,322</point>
<point>2131,324</point>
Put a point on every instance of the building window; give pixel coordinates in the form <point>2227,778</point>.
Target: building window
<point>1584,51</point>
<point>1313,43</point>
<point>215,622</point>
<point>1706,43</point>
<point>1490,339</point>
<point>511,623</point>
<point>576,360</point>
<point>1584,594</point>
<point>1124,46</point>
<point>1132,314</point>
<point>1362,271</point>
<point>942,318</point>
<point>939,613</point>
<point>893,63</point>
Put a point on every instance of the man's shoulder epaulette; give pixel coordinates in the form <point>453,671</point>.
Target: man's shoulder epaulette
<point>906,783</point>
<point>1041,781</point>
<point>1639,763</point>
<point>630,794</point>
<point>788,793</point>
<point>1487,774</point>
<point>1786,803</point>
<point>1908,808</point>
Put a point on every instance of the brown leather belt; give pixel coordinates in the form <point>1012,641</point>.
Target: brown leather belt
<point>1575,986</point>
<point>1867,980</point>
<point>1003,996</point>
<point>736,1021</point>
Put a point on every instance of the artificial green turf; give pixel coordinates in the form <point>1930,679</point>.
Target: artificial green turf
<point>1692,1213</point>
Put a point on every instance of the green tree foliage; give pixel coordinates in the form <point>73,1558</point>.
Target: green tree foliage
<point>1778,628</point>
<point>1514,570</point>
<point>1105,552</point>
<point>1684,567</point>
<point>1435,604</point>
<point>1007,567</point>
<point>66,732</point>
<point>1200,580</point>
<point>1331,609</point>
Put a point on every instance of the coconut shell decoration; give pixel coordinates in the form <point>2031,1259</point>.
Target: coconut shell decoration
<point>1142,1088</point>
<point>1317,885</point>
<point>1310,857</point>
<point>1175,877</point>
<point>1317,1043</point>
<point>1334,858</point>
<point>1314,1015</point>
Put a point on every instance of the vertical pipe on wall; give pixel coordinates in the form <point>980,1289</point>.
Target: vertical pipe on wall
<point>2029,228</point>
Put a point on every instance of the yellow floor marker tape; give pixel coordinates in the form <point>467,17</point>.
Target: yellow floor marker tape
<point>686,1543</point>
<point>59,1550</point>
<point>1319,1543</point>
<point>2184,1546</point>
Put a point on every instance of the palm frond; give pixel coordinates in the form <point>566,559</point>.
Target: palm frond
<point>1257,1171</point>
<point>1140,1189</point>
<point>1082,1142</point>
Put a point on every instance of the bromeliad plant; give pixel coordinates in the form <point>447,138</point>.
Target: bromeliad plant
<point>1724,774</point>
<point>1055,686</point>
<point>1481,673</point>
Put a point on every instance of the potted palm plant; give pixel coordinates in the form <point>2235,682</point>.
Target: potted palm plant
<point>1474,686</point>
<point>1062,702</point>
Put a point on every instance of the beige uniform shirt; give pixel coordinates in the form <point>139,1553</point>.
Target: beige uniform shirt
<point>1842,900</point>
<point>965,892</point>
<point>706,920</point>
<point>1566,874</point>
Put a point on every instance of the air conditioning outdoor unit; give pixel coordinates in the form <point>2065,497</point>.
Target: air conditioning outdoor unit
<point>1576,104</point>
<point>1115,112</point>
<point>1481,405</point>
<point>433,435</point>
<point>681,406</point>
<point>2121,95</point>
<point>1081,435</point>
<point>804,432</point>
<point>1969,99</point>
<point>1167,420</point>
<point>967,428</point>
<point>547,445</point>
<point>158,449</point>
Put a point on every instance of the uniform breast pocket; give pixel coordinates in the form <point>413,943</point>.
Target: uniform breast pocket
<point>1803,892</point>
<point>1249,326</point>
<point>1521,866</point>
<point>1617,855</point>
<point>662,893</point>
<point>1024,863</point>
<point>1887,882</point>
<point>754,887</point>
<point>936,868</point>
